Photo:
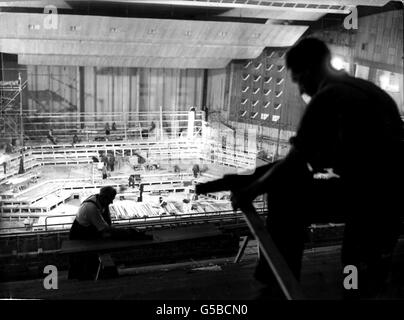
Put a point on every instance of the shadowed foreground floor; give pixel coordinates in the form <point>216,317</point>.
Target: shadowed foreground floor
<point>215,280</point>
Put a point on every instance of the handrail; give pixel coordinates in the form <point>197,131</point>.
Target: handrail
<point>161,218</point>
<point>280,269</point>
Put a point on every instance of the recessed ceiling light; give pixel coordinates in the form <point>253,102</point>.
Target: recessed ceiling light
<point>75,28</point>
<point>34,27</point>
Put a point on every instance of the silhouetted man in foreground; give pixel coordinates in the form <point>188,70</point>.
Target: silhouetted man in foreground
<point>346,125</point>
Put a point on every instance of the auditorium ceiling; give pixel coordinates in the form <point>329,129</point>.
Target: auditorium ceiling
<point>156,33</point>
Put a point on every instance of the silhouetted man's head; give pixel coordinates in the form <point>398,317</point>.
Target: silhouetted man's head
<point>309,61</point>
<point>107,195</point>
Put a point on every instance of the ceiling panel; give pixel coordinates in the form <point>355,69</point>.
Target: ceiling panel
<point>60,4</point>
<point>22,33</point>
<point>297,15</point>
<point>108,61</point>
<point>258,3</point>
<point>72,27</point>
<point>77,47</point>
<point>199,3</point>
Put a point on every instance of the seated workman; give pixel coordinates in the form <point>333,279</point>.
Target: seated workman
<point>92,222</point>
<point>9,148</point>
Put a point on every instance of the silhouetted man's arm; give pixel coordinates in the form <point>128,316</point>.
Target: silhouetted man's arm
<point>287,167</point>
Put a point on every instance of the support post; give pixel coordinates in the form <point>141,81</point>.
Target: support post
<point>242,249</point>
<point>124,127</point>
<point>161,124</point>
<point>278,141</point>
<point>191,123</point>
<point>21,121</point>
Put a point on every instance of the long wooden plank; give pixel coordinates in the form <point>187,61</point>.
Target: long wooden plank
<point>160,236</point>
<point>284,276</point>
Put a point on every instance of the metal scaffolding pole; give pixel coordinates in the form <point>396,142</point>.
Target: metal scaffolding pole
<point>278,140</point>
<point>21,120</point>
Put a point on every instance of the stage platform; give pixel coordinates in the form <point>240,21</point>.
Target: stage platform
<point>56,187</point>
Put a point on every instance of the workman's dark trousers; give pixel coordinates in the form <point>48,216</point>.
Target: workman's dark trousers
<point>83,266</point>
<point>372,226</point>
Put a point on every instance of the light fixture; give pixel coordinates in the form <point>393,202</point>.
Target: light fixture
<point>34,27</point>
<point>257,78</point>
<point>281,68</point>
<point>338,63</point>
<point>278,93</point>
<point>75,28</point>
<point>384,81</point>
<point>268,79</point>
<point>280,81</point>
<point>306,98</point>
<point>253,115</point>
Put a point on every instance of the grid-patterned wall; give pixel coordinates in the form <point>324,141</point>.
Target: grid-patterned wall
<point>263,94</point>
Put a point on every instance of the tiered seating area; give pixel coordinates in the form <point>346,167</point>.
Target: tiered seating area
<point>215,153</point>
<point>13,164</point>
<point>35,201</point>
<point>82,153</point>
<point>90,127</point>
<point>23,197</point>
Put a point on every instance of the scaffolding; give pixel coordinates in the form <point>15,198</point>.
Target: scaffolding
<point>11,99</point>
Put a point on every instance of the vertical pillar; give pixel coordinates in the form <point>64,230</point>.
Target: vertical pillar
<point>81,94</point>
<point>230,89</point>
<point>1,74</point>
<point>278,140</point>
<point>21,120</point>
<point>161,123</point>
<point>78,117</point>
<point>51,104</point>
<point>205,88</point>
<point>191,122</point>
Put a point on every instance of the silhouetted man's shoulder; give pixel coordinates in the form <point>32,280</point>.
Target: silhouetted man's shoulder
<point>366,87</point>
